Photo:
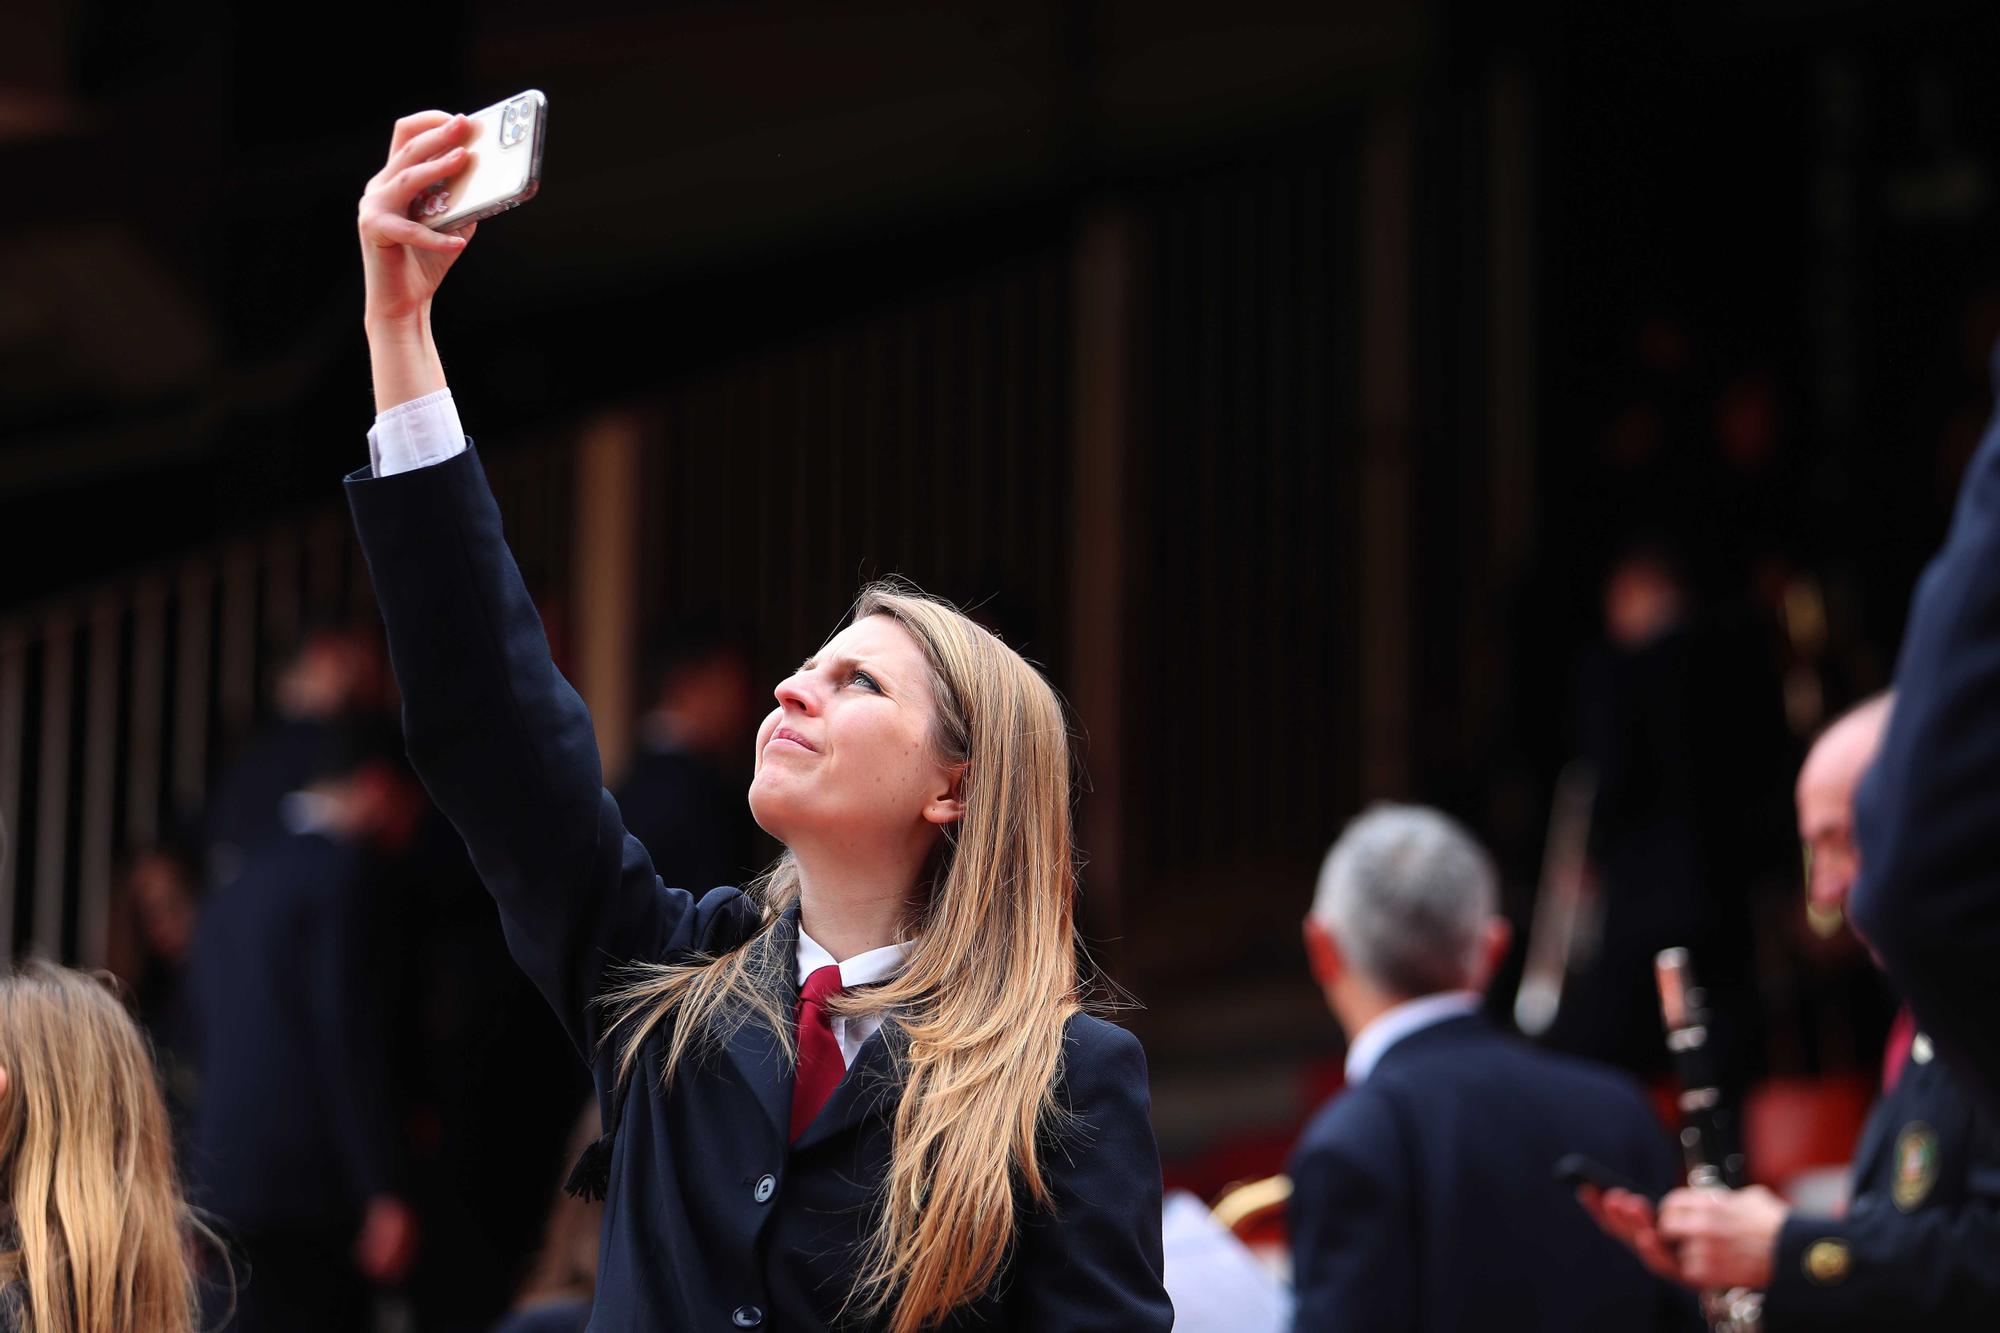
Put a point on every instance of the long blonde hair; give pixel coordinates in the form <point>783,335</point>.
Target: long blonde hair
<point>991,980</point>
<point>99,1234</point>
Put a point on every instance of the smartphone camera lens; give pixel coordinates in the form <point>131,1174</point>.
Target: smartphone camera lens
<point>514,122</point>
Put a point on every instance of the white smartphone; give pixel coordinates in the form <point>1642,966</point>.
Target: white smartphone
<point>503,165</point>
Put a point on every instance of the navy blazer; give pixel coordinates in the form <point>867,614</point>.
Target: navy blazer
<point>711,1220</point>
<point>1919,1247</point>
<point>295,1123</point>
<point>1927,816</point>
<point>1425,1198</point>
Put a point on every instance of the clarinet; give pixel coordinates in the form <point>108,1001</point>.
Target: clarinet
<point>1709,1140</point>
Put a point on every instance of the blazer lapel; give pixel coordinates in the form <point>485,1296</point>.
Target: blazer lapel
<point>869,1086</point>
<point>755,1050</point>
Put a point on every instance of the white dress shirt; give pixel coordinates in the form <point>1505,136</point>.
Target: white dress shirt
<point>875,965</point>
<point>427,430</point>
<point>1392,1025</point>
<point>415,434</point>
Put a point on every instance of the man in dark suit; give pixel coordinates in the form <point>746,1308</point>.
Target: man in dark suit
<point>294,1139</point>
<point>1929,813</point>
<point>1424,1194</point>
<point>1919,1246</point>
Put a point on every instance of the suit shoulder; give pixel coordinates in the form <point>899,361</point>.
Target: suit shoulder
<point>1088,1035</point>
<point>1556,1089</point>
<point>1099,1056</point>
<point>1358,1125</point>
<point>1582,1078</point>
<point>725,918</point>
<point>1494,1052</point>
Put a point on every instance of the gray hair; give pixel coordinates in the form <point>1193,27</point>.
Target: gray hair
<point>1407,892</point>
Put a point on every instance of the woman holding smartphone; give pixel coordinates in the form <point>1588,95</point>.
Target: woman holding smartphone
<point>863,1093</point>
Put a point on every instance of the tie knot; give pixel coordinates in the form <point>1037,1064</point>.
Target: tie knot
<point>822,985</point>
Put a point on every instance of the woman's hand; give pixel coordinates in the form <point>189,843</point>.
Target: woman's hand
<point>402,260</point>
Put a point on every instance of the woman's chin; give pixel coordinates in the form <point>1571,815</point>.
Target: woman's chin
<point>772,810</point>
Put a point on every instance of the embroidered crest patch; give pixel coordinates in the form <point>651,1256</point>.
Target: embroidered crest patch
<point>1916,1164</point>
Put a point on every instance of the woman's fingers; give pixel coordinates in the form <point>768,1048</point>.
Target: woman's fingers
<point>391,198</point>
<point>451,131</point>
<point>387,230</point>
<point>411,181</point>
<point>410,126</point>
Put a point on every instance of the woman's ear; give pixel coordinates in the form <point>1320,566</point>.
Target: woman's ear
<point>3,1082</point>
<point>947,802</point>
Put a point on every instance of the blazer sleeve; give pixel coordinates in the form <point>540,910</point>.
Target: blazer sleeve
<point>1927,816</point>
<point>1936,1269</point>
<point>1095,1264</point>
<point>506,749</point>
<point>1349,1222</point>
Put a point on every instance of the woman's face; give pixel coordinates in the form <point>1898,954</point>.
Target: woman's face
<point>845,758</point>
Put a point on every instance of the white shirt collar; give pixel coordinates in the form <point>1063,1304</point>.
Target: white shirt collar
<point>859,970</point>
<point>1392,1025</point>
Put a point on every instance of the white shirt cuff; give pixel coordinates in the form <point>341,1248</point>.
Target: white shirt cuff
<point>415,434</point>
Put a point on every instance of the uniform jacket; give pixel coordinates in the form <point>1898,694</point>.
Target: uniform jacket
<point>711,1221</point>
<point>1919,1248</point>
<point>1425,1198</point>
<point>295,1123</point>
<point>1927,816</point>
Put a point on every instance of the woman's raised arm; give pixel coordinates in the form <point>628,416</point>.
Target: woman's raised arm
<point>402,261</point>
<point>504,745</point>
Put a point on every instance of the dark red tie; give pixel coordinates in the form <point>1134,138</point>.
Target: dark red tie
<point>820,1065</point>
<point>1897,1053</point>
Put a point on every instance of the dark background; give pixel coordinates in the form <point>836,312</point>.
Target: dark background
<point>1286,377</point>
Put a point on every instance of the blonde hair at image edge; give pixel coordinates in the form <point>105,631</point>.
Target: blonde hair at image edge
<point>990,983</point>
<point>99,1232</point>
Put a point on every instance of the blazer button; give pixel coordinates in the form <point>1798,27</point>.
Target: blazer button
<point>766,1187</point>
<point>747,1316</point>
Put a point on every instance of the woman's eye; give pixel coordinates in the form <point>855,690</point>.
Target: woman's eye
<point>866,681</point>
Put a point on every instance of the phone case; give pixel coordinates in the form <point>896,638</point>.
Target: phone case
<point>503,167</point>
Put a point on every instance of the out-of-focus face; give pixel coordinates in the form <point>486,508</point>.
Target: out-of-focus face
<point>1824,797</point>
<point>164,901</point>
<point>1826,827</point>
<point>845,758</point>
<point>714,702</point>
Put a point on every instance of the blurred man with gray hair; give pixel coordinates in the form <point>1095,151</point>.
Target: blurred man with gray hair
<point>1424,1195</point>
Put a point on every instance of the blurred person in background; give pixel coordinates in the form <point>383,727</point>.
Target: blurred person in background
<point>682,797</point>
<point>1928,816</point>
<point>1919,1244</point>
<point>869,1094</point>
<point>1674,736</point>
<point>336,674</point>
<point>556,1297</point>
<point>295,1146</point>
<point>95,1236</point>
<point>1424,1194</point>
<point>158,902</point>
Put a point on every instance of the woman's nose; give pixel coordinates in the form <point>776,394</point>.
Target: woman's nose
<point>796,691</point>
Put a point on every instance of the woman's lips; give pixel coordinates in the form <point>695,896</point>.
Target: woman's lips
<point>786,736</point>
